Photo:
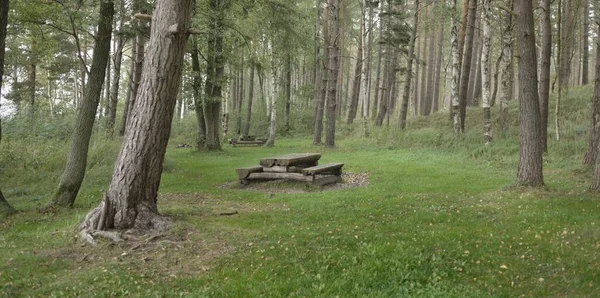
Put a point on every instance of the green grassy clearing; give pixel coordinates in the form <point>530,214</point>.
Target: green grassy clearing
<point>434,221</point>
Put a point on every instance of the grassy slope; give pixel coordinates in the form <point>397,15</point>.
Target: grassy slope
<point>437,219</point>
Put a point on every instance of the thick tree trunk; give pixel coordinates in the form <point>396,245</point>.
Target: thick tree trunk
<point>197,91</point>
<point>334,6</point>
<point>74,173</point>
<point>455,110</point>
<point>546,55</point>
<point>466,66</point>
<point>474,72</point>
<point>485,71</point>
<point>591,155</point>
<point>409,64</point>
<point>530,171</point>
<point>215,74</point>
<point>140,41</point>
<point>250,99</point>
<point>5,207</point>
<point>131,199</point>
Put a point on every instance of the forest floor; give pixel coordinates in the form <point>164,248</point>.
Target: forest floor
<point>405,222</point>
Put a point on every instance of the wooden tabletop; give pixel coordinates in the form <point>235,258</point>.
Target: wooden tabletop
<point>290,159</point>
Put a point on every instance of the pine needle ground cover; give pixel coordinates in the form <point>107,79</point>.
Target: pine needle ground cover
<point>429,222</point>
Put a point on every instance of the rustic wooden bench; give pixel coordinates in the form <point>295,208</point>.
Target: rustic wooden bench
<point>256,142</point>
<point>334,168</point>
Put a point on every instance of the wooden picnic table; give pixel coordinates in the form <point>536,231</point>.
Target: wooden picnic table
<point>297,166</point>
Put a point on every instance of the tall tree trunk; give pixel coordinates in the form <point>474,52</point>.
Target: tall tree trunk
<point>456,119</point>
<point>591,155</point>
<point>409,64</point>
<point>140,41</point>
<point>466,66</point>
<point>485,71</point>
<point>288,94</point>
<point>423,82</point>
<point>546,56</point>
<point>320,104</point>
<point>215,74</point>
<point>431,69</point>
<point>507,76</point>
<point>585,73</point>
<point>116,80</point>
<point>274,95</point>
<point>334,6</point>
<point>240,97</point>
<point>74,173</point>
<point>438,73</point>
<point>130,201</point>
<point>5,207</point>
<point>530,171</point>
<point>367,71</point>
<point>358,72</point>
<point>474,72</point>
<point>250,99</point>
<point>378,70</point>
<point>128,97</point>
<point>32,78</point>
<point>198,101</point>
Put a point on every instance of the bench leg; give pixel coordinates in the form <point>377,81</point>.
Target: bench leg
<point>326,180</point>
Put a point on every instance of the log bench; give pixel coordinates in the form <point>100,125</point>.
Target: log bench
<point>313,175</point>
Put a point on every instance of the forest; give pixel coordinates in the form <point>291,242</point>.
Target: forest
<point>468,132</point>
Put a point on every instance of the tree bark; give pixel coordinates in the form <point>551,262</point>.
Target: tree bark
<point>250,99</point>
<point>438,63</point>
<point>409,64</point>
<point>5,207</point>
<point>214,74</point>
<point>130,201</point>
<point>288,94</point>
<point>358,72</point>
<point>116,80</point>
<point>128,99</point>
<point>334,6</point>
<point>74,173</point>
<point>273,117</point>
<point>431,69</point>
<point>485,71</point>
<point>546,56</point>
<point>455,110</point>
<point>466,66</point>
<point>198,101</point>
<point>591,155</point>
<point>425,66</point>
<point>586,47</point>
<point>320,104</point>
<point>507,76</point>
<point>530,173</point>
<point>378,70</point>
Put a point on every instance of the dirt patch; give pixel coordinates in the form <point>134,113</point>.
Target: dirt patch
<point>191,246</point>
<point>349,180</point>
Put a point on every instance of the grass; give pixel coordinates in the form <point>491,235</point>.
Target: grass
<point>439,218</point>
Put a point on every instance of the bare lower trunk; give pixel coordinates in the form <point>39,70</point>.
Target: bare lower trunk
<point>530,169</point>
<point>546,55</point>
<point>198,102</point>
<point>273,117</point>
<point>74,173</point>
<point>466,66</point>
<point>506,80</point>
<point>131,199</point>
<point>116,80</point>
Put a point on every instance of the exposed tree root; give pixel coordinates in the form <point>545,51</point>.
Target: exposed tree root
<point>119,226</point>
